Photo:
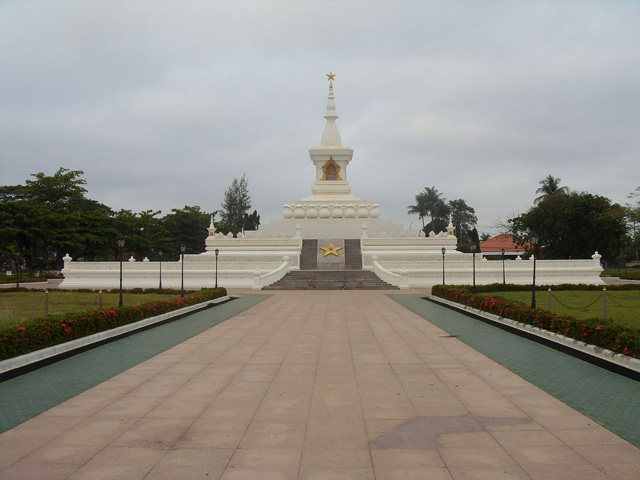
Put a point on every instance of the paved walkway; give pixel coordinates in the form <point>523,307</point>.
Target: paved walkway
<point>317,385</point>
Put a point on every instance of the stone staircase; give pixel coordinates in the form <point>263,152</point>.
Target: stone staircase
<point>352,254</point>
<point>330,280</point>
<point>309,255</point>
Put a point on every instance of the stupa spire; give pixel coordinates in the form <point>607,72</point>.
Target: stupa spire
<point>331,135</point>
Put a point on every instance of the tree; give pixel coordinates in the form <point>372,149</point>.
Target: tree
<point>235,205</point>
<point>143,233</point>
<point>474,238</point>
<point>550,186</point>
<point>430,203</point>
<point>463,218</point>
<point>50,216</point>
<point>252,222</point>
<point>572,225</point>
<point>633,219</point>
<point>186,226</point>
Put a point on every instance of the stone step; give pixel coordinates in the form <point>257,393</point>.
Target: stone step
<point>352,254</point>
<point>309,255</point>
<point>330,280</point>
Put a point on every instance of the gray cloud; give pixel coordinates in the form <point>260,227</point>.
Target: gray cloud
<point>163,103</point>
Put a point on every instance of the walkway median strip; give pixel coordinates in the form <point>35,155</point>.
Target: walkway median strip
<point>16,366</point>
<point>607,397</point>
<point>32,393</point>
<point>623,364</point>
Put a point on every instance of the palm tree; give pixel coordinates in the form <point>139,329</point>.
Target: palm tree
<point>429,203</point>
<point>550,185</point>
<point>419,208</point>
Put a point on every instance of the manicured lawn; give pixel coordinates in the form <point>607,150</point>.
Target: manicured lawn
<point>623,307</point>
<point>17,307</point>
<point>628,274</point>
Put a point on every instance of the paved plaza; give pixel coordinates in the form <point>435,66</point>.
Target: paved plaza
<point>316,385</point>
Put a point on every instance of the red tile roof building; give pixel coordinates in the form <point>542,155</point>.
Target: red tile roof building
<point>494,246</point>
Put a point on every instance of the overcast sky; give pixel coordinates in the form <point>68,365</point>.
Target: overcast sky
<point>163,102</point>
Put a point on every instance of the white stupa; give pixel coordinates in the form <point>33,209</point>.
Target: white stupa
<point>331,211</point>
<point>329,230</point>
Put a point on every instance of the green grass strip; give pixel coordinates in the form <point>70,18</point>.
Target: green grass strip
<point>608,398</point>
<point>28,395</point>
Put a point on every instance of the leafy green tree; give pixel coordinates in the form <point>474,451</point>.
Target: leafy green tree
<point>463,218</point>
<point>430,203</point>
<point>143,233</point>
<point>235,205</point>
<point>186,226</point>
<point>572,225</point>
<point>549,186</point>
<point>252,221</point>
<point>474,238</point>
<point>50,216</point>
<point>633,219</point>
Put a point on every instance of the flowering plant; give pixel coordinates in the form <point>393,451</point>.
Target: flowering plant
<point>602,333</point>
<point>55,329</point>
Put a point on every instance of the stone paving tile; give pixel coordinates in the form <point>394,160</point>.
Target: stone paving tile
<point>109,472</point>
<point>503,472</point>
<point>303,386</point>
<point>566,472</point>
<point>419,473</point>
<point>25,471</point>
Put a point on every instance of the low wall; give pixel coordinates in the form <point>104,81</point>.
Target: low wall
<point>427,270</point>
<point>239,262</point>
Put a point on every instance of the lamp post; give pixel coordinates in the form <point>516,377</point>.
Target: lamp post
<point>473,250</point>
<point>160,282</point>
<point>17,270</point>
<point>444,250</point>
<point>504,278</point>
<point>217,251</point>
<point>121,247</point>
<point>182,250</point>
<point>534,242</point>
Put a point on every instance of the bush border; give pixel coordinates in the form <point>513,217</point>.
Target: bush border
<point>44,332</point>
<point>598,332</point>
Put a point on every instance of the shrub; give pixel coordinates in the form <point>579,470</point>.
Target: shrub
<point>53,330</point>
<point>499,287</point>
<point>602,333</point>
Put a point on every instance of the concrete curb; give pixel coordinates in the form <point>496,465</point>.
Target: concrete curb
<point>29,361</point>
<point>598,355</point>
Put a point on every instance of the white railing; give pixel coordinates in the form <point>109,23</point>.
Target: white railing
<point>398,279</point>
<point>260,281</point>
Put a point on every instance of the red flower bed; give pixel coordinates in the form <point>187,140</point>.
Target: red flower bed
<point>602,333</point>
<point>53,330</point>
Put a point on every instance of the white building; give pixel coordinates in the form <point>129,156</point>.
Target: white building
<point>330,234</point>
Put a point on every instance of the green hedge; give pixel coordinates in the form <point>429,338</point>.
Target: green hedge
<point>602,333</point>
<point>164,291</point>
<point>55,329</point>
<point>499,287</point>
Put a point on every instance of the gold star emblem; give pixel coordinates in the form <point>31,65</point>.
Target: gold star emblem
<point>330,76</point>
<point>331,250</point>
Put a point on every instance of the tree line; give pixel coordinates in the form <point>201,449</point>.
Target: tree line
<point>432,206</point>
<point>567,224</point>
<point>571,224</point>
<point>51,215</point>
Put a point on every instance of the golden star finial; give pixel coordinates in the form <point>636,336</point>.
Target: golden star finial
<point>331,250</point>
<point>330,76</point>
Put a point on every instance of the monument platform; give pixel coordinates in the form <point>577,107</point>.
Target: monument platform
<point>309,385</point>
<point>257,259</point>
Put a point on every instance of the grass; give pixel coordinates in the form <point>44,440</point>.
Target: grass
<point>627,274</point>
<point>623,307</point>
<point>16,307</point>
